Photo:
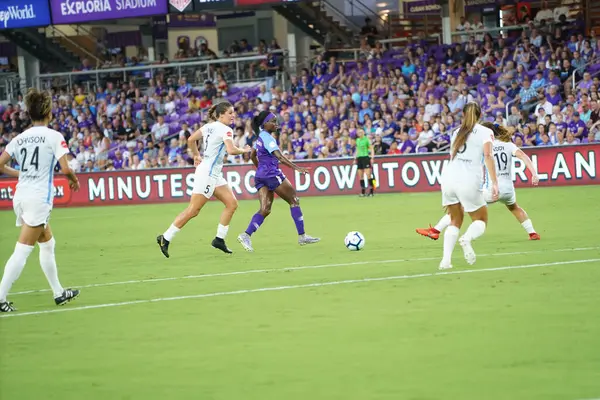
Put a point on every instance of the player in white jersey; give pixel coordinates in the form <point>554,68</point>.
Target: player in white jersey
<point>217,136</point>
<point>37,150</point>
<point>504,151</point>
<point>462,183</point>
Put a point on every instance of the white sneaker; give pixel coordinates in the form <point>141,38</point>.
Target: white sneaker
<point>468,251</point>
<point>246,242</point>
<point>445,265</point>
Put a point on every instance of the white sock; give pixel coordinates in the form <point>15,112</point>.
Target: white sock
<point>443,223</point>
<point>14,267</point>
<point>475,230</point>
<point>450,238</point>
<point>48,263</point>
<point>171,232</point>
<point>222,231</point>
<point>528,226</point>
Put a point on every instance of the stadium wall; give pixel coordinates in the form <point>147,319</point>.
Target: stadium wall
<point>557,166</point>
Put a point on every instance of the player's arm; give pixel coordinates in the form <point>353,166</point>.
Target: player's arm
<point>287,162</point>
<point>193,142</point>
<point>193,146</point>
<point>64,166</point>
<point>520,154</point>
<point>254,158</point>
<point>6,170</point>
<point>488,159</point>
<point>372,150</point>
<point>232,149</point>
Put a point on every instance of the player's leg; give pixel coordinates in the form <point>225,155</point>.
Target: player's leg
<point>191,211</point>
<point>371,180</point>
<point>265,196</point>
<point>523,218</point>
<point>287,192</point>
<point>433,232</point>
<point>48,263</point>
<point>474,231</point>
<point>15,264</point>
<point>361,180</point>
<point>456,214</point>
<point>225,195</point>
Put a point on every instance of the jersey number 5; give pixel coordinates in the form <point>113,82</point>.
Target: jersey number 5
<point>33,162</point>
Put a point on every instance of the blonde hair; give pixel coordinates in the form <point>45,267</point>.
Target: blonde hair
<point>471,113</point>
<point>39,105</point>
<point>500,132</point>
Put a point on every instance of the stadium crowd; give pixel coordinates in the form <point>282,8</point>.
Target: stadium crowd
<point>406,100</point>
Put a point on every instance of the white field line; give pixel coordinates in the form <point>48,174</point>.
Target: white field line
<point>304,286</point>
<point>259,271</point>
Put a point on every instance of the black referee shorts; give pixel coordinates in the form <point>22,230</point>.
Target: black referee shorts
<point>363,162</point>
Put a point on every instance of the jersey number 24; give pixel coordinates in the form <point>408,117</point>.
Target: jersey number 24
<point>33,161</point>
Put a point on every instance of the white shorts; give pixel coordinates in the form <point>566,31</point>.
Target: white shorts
<point>471,199</point>
<point>508,197</point>
<point>205,184</point>
<point>32,213</point>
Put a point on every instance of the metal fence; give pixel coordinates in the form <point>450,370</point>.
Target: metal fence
<point>10,86</point>
<point>234,70</point>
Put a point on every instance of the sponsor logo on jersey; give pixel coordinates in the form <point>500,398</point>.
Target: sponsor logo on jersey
<point>229,134</point>
<point>64,144</point>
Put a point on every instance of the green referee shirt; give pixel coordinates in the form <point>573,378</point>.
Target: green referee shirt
<point>362,147</point>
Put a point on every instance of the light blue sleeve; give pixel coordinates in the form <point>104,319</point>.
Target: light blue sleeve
<point>269,142</point>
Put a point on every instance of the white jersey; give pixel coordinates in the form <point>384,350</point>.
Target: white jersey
<point>214,135</point>
<point>37,150</point>
<point>467,165</point>
<point>503,154</point>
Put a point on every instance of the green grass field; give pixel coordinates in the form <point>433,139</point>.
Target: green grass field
<point>315,322</point>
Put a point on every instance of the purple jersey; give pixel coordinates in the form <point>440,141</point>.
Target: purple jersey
<point>268,164</point>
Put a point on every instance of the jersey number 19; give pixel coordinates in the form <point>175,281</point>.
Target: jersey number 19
<point>501,161</point>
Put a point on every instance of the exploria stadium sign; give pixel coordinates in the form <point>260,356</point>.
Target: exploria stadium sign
<point>558,166</point>
<point>73,11</point>
<point>26,14</point>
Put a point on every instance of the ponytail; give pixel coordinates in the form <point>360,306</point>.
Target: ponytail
<point>471,115</point>
<point>259,120</point>
<point>500,132</point>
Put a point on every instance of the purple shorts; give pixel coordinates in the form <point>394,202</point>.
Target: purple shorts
<point>271,182</point>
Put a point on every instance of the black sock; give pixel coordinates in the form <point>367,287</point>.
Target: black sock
<point>362,186</point>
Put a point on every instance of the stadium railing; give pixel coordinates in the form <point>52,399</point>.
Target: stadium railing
<point>235,70</point>
<point>10,86</point>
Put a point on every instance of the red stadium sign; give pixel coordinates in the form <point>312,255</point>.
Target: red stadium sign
<point>557,166</point>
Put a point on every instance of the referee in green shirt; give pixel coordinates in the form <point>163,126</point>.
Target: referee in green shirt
<point>363,158</point>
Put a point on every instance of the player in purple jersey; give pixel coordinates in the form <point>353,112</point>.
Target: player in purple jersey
<point>269,180</point>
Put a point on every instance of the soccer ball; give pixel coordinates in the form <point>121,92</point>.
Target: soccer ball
<point>354,241</point>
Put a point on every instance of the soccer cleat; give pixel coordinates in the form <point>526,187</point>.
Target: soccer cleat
<point>306,239</point>
<point>445,265</point>
<point>362,195</point>
<point>163,244</point>
<point>7,307</point>
<point>430,232</point>
<point>246,242</point>
<point>468,251</point>
<point>66,296</point>
<point>219,243</point>
<point>371,194</point>
<point>534,236</point>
